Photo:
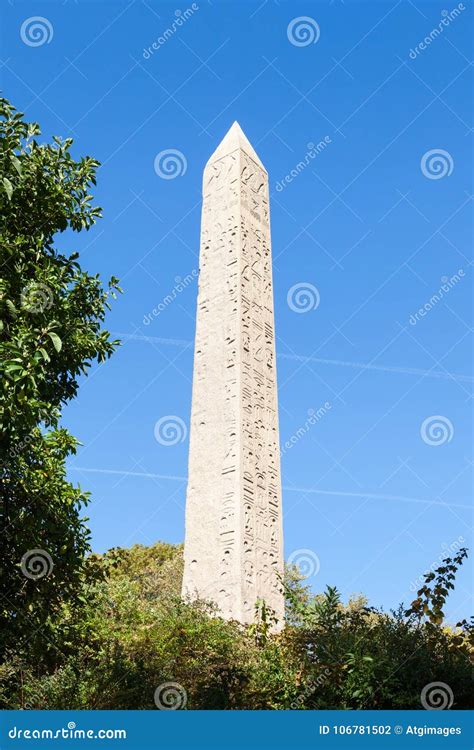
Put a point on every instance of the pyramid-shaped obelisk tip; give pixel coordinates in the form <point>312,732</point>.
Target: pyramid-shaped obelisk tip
<point>234,139</point>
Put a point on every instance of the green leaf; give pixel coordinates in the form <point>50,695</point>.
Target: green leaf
<point>16,163</point>
<point>11,367</point>
<point>8,188</point>
<point>11,308</point>
<point>57,343</point>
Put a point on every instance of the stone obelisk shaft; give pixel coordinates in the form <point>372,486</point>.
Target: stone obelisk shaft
<point>233,545</point>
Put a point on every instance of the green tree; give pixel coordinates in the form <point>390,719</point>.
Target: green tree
<point>431,597</point>
<point>130,634</point>
<point>50,332</point>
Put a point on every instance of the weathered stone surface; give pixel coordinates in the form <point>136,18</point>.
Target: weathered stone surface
<point>233,545</point>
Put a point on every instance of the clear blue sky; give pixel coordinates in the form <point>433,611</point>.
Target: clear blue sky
<point>362,222</point>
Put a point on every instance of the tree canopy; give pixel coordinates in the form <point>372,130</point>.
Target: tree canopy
<point>130,642</point>
<point>52,313</point>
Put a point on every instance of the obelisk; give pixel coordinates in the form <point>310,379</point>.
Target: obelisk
<point>233,552</point>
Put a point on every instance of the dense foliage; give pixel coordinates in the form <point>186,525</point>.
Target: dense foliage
<point>50,332</point>
<point>129,635</point>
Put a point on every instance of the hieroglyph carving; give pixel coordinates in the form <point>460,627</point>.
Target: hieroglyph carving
<point>233,545</point>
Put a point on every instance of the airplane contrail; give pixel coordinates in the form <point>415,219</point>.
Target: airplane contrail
<point>301,490</point>
<point>317,360</point>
